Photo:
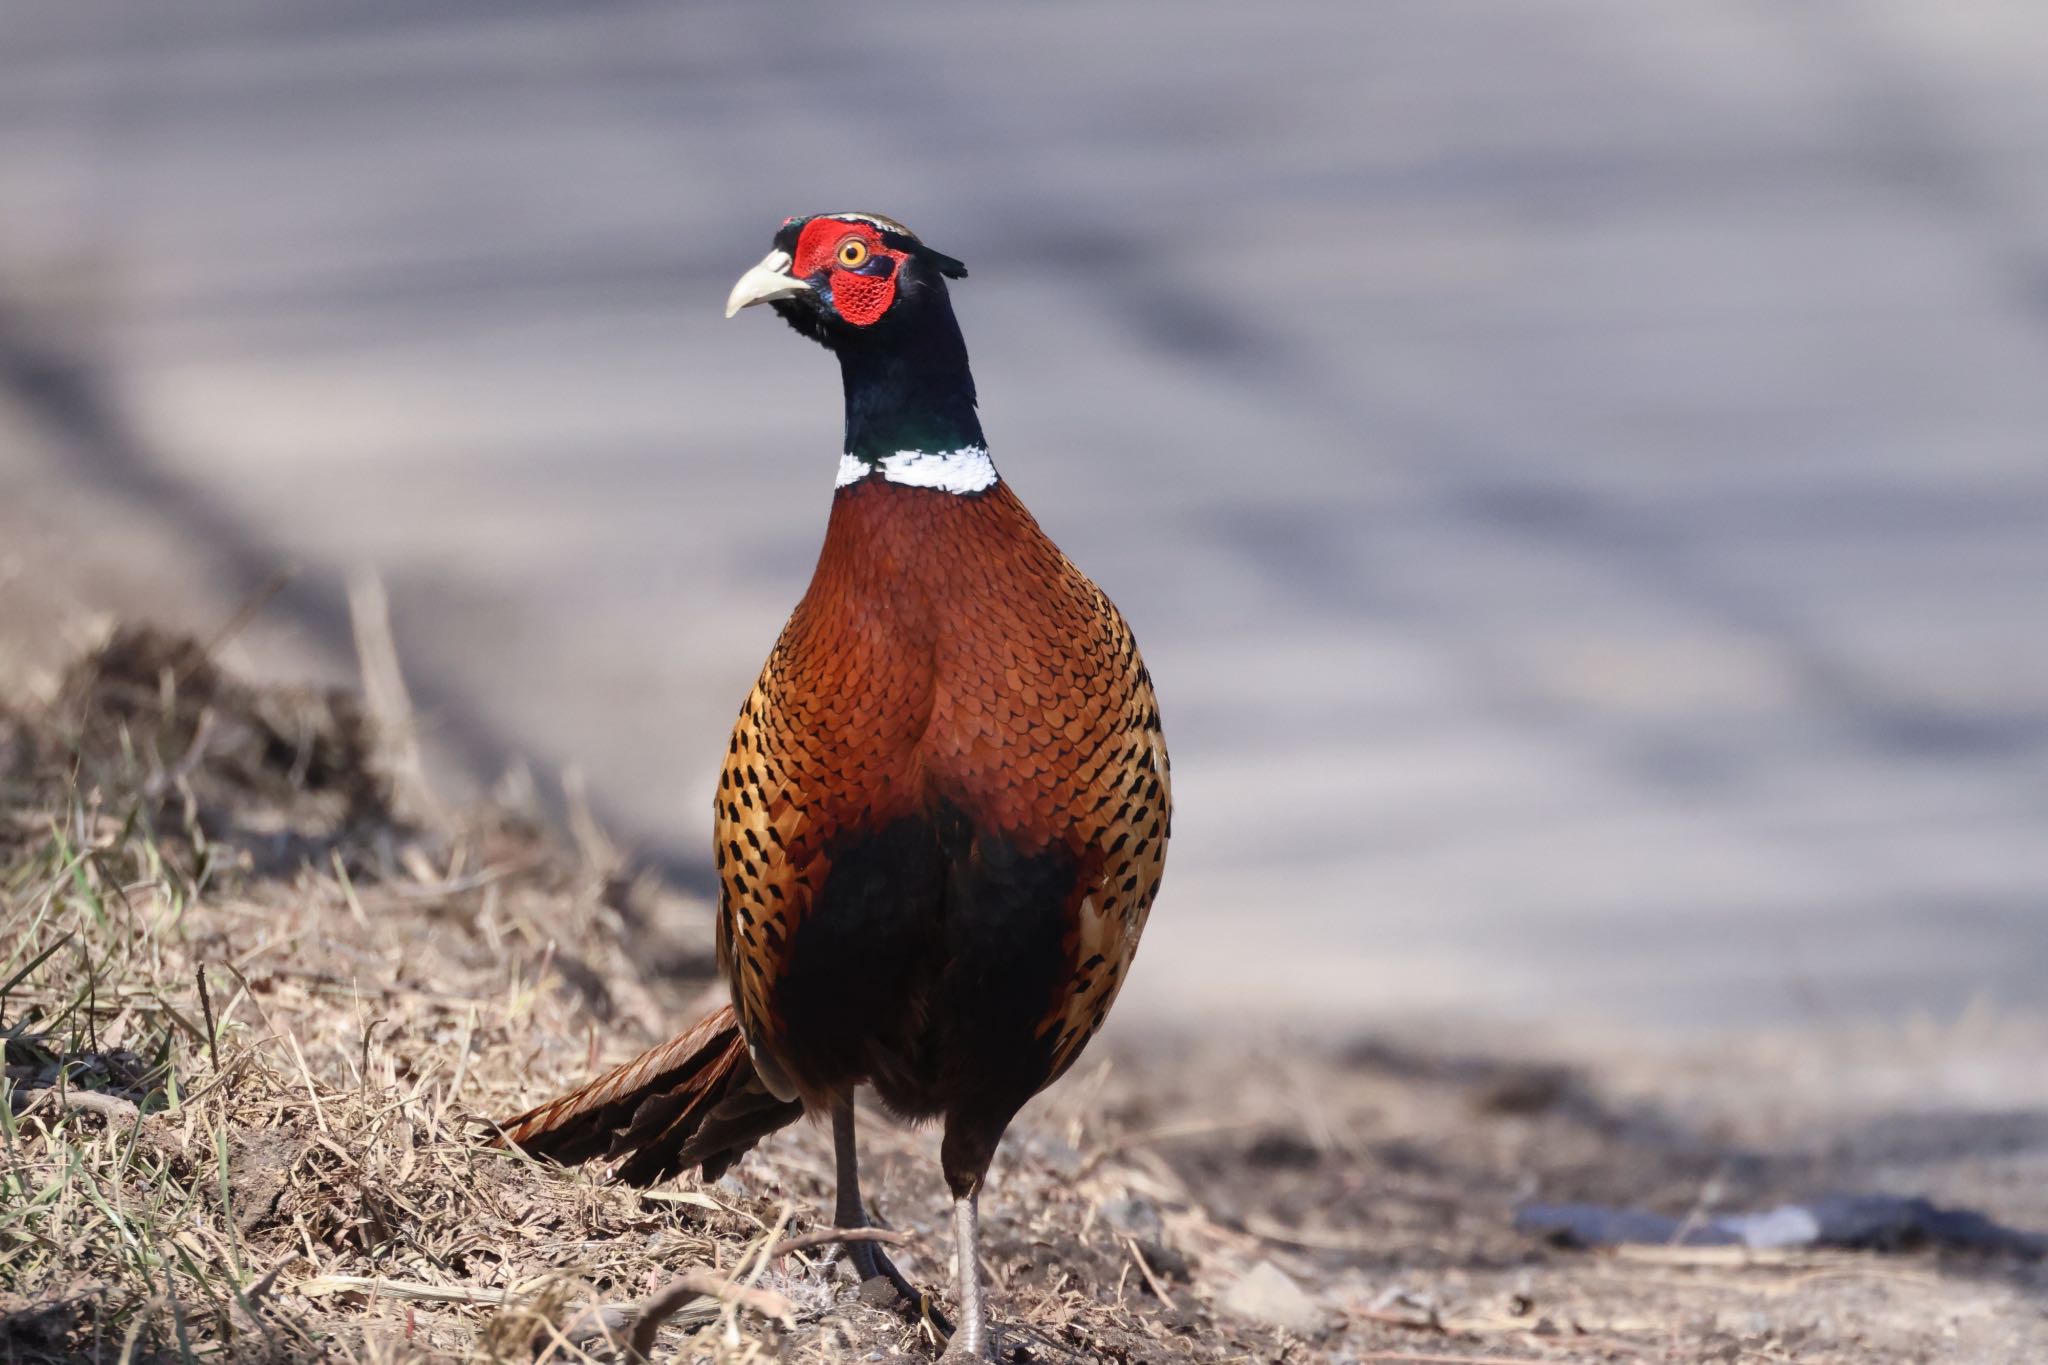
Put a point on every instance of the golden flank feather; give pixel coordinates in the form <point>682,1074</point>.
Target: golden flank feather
<point>1126,806</point>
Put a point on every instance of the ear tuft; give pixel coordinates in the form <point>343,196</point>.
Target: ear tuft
<point>940,261</point>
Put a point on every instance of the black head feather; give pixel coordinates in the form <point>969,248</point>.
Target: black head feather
<point>907,381</point>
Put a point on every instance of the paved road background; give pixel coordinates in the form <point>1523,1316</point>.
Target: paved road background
<point>1579,472</point>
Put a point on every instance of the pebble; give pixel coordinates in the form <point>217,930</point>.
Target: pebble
<point>879,1293</point>
<point>1265,1294</point>
<point>1060,1158</point>
<point>1168,1263</point>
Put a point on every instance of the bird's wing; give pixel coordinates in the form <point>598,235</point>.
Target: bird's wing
<point>817,755</point>
<point>1120,795</point>
<point>769,848</point>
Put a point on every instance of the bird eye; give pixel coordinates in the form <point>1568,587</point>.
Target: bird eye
<point>853,252</point>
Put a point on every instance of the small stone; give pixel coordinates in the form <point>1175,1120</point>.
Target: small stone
<point>1265,1294</point>
<point>1166,1262</point>
<point>1277,1150</point>
<point>1061,1158</point>
<point>1743,1325</point>
<point>878,1293</point>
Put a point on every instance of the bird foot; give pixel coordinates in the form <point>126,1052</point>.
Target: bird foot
<point>882,1285</point>
<point>961,1349</point>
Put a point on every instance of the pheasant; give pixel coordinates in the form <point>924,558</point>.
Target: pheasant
<point>944,809</point>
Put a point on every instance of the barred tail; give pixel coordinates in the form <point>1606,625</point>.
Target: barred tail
<point>692,1101</point>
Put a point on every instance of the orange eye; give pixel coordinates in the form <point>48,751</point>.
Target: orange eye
<point>853,253</point>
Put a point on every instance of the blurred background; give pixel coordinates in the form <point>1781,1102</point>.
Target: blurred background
<point>1579,472</point>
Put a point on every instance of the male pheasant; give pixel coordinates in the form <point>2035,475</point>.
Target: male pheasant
<point>944,810</point>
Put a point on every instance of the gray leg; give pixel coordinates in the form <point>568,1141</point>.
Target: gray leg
<point>848,1211</point>
<point>970,1338</point>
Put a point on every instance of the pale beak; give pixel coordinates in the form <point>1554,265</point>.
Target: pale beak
<point>764,282</point>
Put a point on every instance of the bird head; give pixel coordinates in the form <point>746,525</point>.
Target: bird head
<point>837,277</point>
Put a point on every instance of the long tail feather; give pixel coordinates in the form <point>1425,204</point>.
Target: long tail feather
<point>692,1101</point>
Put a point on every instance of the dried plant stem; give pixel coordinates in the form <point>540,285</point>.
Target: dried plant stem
<point>378,1287</point>
<point>385,692</point>
<point>112,1108</point>
<point>828,1236</point>
<point>639,1322</point>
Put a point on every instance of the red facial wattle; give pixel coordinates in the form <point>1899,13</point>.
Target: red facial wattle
<point>860,298</point>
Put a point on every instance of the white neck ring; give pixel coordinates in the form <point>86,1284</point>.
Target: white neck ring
<point>966,470</point>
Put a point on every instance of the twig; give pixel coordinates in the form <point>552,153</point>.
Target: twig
<point>659,1305</point>
<point>827,1236</point>
<point>246,1304</point>
<point>639,1322</point>
<point>1732,1256</point>
<point>598,851</point>
<point>252,604</point>
<point>397,1289</point>
<point>1436,1324</point>
<point>758,1254</point>
<point>306,1074</point>
<point>112,1108</point>
<point>455,886</point>
<point>206,1005</point>
<point>161,780</point>
<point>1429,1321</point>
<point>1429,1358</point>
<point>235,1066</point>
<point>1152,1280</point>
<point>390,704</point>
<point>461,1070</point>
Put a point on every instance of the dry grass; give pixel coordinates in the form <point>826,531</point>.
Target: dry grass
<point>252,1020</point>
<point>256,1021</point>
<point>257,1024</point>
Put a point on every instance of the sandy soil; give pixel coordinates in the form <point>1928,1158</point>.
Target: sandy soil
<point>250,1087</point>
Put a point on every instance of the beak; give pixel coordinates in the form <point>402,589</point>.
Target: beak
<point>764,282</point>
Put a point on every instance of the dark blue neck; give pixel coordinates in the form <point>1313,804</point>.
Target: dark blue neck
<point>908,386</point>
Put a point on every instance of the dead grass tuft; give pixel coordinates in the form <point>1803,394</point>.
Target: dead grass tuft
<point>253,1025</point>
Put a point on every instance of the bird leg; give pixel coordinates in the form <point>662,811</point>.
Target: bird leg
<point>869,1260</point>
<point>969,1341</point>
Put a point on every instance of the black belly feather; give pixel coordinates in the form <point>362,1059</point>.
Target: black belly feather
<point>926,966</point>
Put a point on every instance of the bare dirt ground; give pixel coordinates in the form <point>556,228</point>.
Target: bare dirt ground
<point>260,999</point>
